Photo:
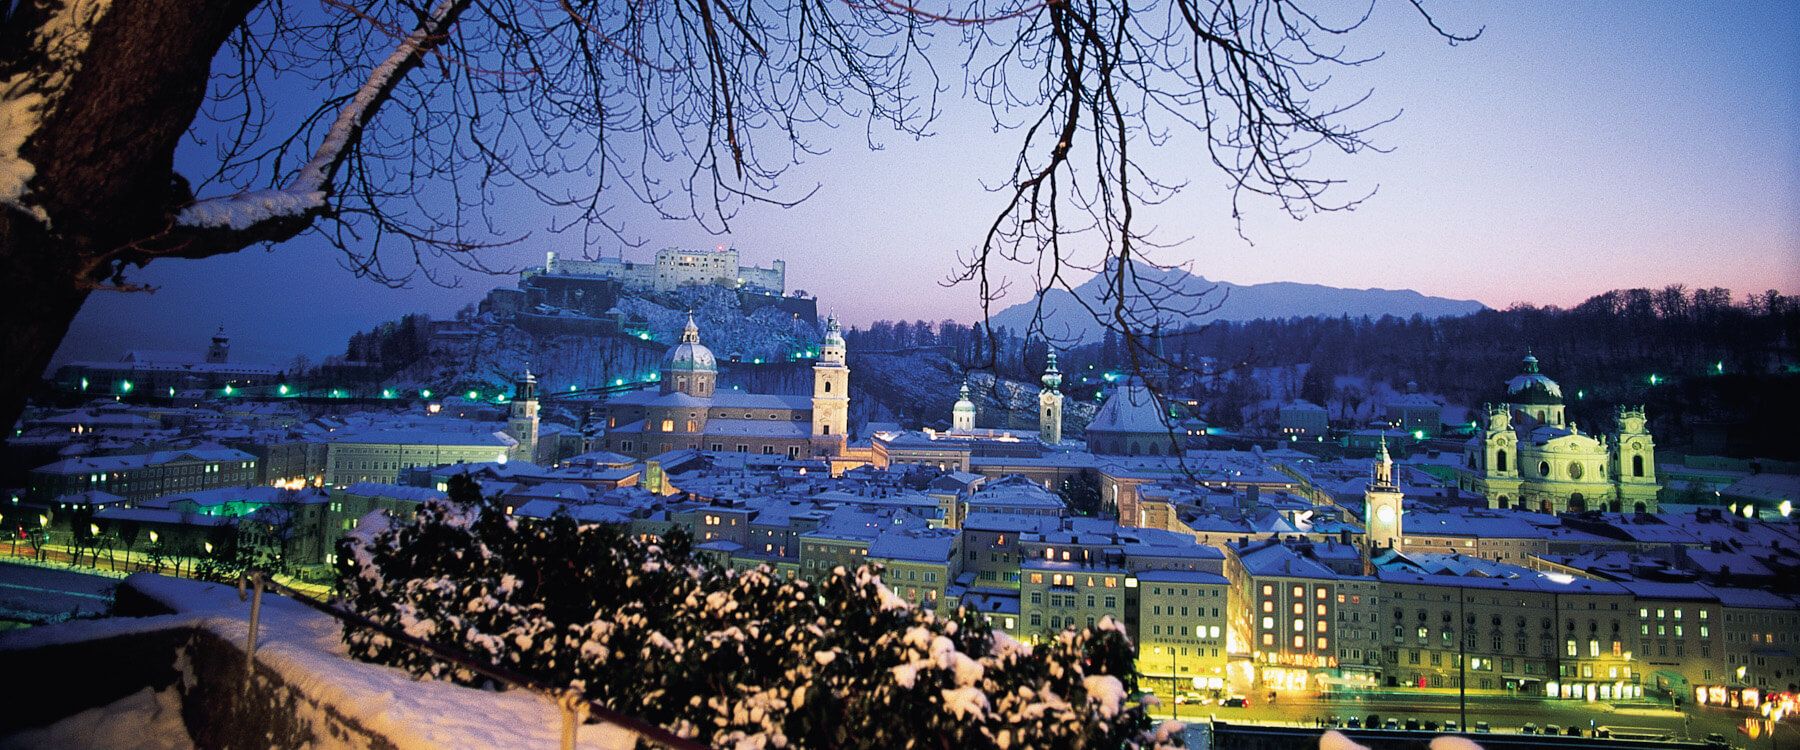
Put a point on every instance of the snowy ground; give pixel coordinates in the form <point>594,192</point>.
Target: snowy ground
<point>144,720</point>
<point>306,649</point>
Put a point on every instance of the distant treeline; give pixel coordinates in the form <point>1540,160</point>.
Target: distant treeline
<point>1717,373</point>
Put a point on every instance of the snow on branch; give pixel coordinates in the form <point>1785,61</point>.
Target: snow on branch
<point>311,185</point>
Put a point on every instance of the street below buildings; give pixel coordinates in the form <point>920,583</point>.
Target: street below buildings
<point>1503,714</point>
<point>34,594</point>
<point>121,562</point>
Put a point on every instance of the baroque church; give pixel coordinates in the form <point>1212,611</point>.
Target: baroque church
<point>688,412</point>
<point>1528,456</point>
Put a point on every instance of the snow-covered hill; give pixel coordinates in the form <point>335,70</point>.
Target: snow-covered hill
<point>1188,298</point>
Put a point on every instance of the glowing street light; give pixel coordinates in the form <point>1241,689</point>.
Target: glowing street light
<point>125,386</point>
<point>283,389</point>
<point>153,537</point>
<point>387,393</point>
<point>474,395</point>
<point>426,393</point>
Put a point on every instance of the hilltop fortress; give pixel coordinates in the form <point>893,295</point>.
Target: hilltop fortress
<point>581,297</point>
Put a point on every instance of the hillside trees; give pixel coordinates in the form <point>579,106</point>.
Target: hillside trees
<point>401,132</point>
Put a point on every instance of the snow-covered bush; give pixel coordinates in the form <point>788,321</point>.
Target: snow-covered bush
<point>743,659</point>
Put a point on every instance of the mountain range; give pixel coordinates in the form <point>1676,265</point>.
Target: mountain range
<point>1066,320</point>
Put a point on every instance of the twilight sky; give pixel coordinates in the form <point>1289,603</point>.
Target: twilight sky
<point>1574,148</point>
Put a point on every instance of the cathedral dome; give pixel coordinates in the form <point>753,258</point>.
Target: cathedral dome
<point>690,355</point>
<point>1533,387</point>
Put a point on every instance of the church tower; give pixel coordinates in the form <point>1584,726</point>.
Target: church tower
<point>1634,461</point>
<point>523,424</point>
<point>220,351</point>
<point>962,415</point>
<point>1382,509</point>
<point>831,392</point>
<point>1050,403</point>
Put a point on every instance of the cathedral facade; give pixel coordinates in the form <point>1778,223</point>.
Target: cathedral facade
<point>1527,455</point>
<point>688,412</point>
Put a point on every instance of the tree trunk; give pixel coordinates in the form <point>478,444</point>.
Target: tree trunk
<point>39,296</point>
<point>103,161</point>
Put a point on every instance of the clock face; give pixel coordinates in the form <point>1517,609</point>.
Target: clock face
<point>1386,514</point>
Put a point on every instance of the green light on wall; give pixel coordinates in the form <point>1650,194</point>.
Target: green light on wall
<point>1655,379</point>
<point>125,386</point>
<point>1718,368</point>
<point>758,360</point>
<point>84,384</point>
<point>387,393</point>
<point>474,395</point>
<point>229,390</point>
<point>337,393</point>
<point>171,391</point>
<point>618,381</point>
<point>426,393</point>
<point>1418,434</point>
<point>283,389</point>
<point>572,389</point>
<point>644,335</point>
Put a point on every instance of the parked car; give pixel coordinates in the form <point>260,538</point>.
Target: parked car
<point>1236,701</point>
<point>1552,729</point>
<point>1353,723</point>
<point>1573,731</point>
<point>1450,725</point>
<point>1529,728</point>
<point>1392,723</point>
<point>1411,723</point>
<point>1714,739</point>
<point>1483,727</point>
<point>1430,726</point>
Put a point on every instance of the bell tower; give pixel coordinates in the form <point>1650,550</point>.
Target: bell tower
<point>1634,461</point>
<point>220,351</point>
<point>1050,403</point>
<point>962,415</point>
<point>1382,506</point>
<point>523,423</point>
<point>831,392</point>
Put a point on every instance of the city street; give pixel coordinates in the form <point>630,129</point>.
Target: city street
<point>1504,714</point>
<point>31,593</point>
<point>123,561</point>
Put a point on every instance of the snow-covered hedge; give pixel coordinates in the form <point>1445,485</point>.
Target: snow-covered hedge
<point>744,659</point>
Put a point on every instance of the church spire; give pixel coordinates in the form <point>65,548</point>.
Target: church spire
<point>1384,465</point>
<point>690,334</point>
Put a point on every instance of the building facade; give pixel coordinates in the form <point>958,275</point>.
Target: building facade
<point>1529,456</point>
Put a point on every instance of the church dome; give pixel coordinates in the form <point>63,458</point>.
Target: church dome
<point>1531,386</point>
<point>690,355</point>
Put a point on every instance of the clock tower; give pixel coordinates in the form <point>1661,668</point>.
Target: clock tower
<point>1382,506</point>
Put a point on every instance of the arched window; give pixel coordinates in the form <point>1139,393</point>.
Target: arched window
<point>1133,450</point>
<point>1155,449</point>
<point>1500,460</point>
<point>1637,466</point>
<point>1543,468</point>
<point>827,429</point>
<point>1639,507</point>
<point>827,386</point>
<point>1577,503</point>
<point>1575,470</point>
